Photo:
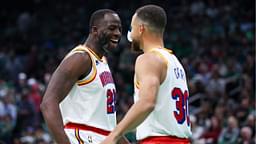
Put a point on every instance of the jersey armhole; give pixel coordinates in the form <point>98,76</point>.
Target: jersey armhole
<point>158,53</point>
<point>92,74</point>
<point>161,56</point>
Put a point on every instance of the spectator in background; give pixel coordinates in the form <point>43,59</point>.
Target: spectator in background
<point>245,136</point>
<point>21,82</point>
<point>251,122</point>
<point>210,136</point>
<point>243,110</point>
<point>42,136</point>
<point>26,112</point>
<point>230,133</point>
<point>6,128</point>
<point>35,97</point>
<point>28,136</point>
<point>9,106</point>
<point>8,116</point>
<point>216,84</point>
<point>196,129</point>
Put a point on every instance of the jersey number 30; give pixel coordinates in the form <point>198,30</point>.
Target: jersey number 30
<point>111,101</point>
<point>182,113</point>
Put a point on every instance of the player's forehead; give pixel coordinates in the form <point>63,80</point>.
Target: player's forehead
<point>134,19</point>
<point>111,18</point>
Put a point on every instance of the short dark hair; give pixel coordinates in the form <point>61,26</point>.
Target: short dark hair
<point>98,15</point>
<point>154,15</point>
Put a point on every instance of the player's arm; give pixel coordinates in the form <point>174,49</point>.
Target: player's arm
<point>123,140</point>
<point>65,76</point>
<point>149,71</point>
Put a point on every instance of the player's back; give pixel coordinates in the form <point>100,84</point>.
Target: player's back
<point>91,100</point>
<point>170,116</point>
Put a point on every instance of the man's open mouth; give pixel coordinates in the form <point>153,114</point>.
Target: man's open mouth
<point>115,41</point>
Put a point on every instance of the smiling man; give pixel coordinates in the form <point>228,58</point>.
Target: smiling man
<point>79,103</point>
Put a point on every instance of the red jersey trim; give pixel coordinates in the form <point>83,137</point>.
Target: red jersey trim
<point>86,128</point>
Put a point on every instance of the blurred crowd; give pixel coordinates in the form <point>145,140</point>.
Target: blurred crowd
<point>214,39</point>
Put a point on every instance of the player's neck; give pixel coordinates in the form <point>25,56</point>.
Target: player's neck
<point>149,43</point>
<point>94,46</point>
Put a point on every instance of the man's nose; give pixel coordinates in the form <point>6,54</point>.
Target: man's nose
<point>117,33</point>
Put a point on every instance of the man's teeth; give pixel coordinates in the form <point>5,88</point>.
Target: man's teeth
<point>114,40</point>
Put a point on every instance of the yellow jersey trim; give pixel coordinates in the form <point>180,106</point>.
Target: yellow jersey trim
<point>81,49</point>
<point>80,141</point>
<point>170,51</point>
<point>91,78</point>
<point>160,55</point>
<point>137,84</point>
<point>92,52</point>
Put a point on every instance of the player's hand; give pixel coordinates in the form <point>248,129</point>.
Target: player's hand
<point>109,140</point>
<point>123,140</point>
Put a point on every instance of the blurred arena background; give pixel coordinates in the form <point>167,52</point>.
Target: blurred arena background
<point>215,40</point>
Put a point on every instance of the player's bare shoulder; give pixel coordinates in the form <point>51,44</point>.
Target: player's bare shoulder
<point>77,62</point>
<point>151,59</point>
<point>151,63</point>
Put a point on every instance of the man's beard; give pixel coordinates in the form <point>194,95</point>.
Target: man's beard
<point>136,46</point>
<point>103,42</point>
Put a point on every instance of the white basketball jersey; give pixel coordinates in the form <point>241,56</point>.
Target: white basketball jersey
<point>170,116</point>
<point>91,101</point>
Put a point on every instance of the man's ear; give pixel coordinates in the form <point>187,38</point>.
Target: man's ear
<point>94,29</point>
<point>141,28</point>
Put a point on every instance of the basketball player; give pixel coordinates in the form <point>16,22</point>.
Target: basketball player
<point>160,112</point>
<point>79,103</point>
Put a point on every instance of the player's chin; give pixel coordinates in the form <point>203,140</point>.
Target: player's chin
<point>111,46</point>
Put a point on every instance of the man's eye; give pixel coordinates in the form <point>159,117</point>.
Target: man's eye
<point>111,28</point>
